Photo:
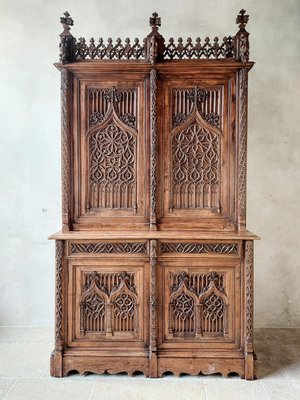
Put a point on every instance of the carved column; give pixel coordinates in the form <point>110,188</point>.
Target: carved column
<point>248,328</point>
<point>66,149</point>
<point>242,156</point>
<point>153,310</point>
<point>153,149</point>
<point>56,357</point>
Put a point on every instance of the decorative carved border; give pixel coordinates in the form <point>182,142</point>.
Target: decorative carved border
<point>108,248</point>
<point>249,264</point>
<point>153,48</point>
<point>199,248</point>
<point>65,149</point>
<point>153,148</point>
<point>153,309</point>
<point>242,156</point>
<point>59,252</point>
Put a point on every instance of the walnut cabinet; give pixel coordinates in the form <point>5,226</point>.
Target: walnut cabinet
<point>154,265</point>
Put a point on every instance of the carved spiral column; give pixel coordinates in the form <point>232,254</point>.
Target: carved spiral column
<point>153,149</point>
<point>153,310</point>
<point>242,156</point>
<point>248,330</point>
<point>56,358</point>
<point>65,149</point>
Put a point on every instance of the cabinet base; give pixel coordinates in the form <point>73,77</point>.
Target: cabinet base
<point>62,365</point>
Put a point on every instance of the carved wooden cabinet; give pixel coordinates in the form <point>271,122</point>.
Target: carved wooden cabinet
<point>154,265</point>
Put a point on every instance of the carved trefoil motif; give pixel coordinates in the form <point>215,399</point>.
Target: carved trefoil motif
<point>109,304</point>
<point>112,150</point>
<point>198,305</point>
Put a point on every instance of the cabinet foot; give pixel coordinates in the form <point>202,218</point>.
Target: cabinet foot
<point>153,365</point>
<point>56,364</point>
<point>249,367</point>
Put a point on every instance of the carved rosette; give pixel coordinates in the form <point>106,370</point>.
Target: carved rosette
<point>59,251</point>
<point>153,149</point>
<point>249,265</point>
<point>242,156</point>
<point>153,296</point>
<point>65,149</point>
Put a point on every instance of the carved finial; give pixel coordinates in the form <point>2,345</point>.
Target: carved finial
<point>242,20</point>
<point>155,22</point>
<point>66,22</point>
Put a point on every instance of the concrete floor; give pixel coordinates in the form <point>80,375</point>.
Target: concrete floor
<point>24,373</point>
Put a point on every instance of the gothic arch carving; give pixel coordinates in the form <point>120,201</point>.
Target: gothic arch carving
<point>93,308</point>
<point>112,164</point>
<point>195,164</point>
<point>213,309</point>
<point>124,302</point>
<point>183,316</point>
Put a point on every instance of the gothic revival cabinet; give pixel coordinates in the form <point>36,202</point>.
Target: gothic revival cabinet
<point>154,265</point>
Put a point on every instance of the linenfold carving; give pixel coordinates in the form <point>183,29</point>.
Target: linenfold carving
<point>153,47</point>
<point>198,305</point>
<point>109,303</point>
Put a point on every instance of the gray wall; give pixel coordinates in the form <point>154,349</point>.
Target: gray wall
<point>30,141</point>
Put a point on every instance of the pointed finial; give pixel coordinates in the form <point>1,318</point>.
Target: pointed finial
<point>242,19</point>
<point>66,22</point>
<point>155,22</point>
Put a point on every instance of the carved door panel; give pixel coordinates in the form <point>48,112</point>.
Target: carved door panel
<point>197,154</point>
<point>107,296</point>
<point>200,302</point>
<point>110,154</point>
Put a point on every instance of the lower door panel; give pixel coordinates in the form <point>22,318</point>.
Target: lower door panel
<point>200,303</point>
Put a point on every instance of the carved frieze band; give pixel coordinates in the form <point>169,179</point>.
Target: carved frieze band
<point>65,148</point>
<point>153,148</point>
<point>153,296</point>
<point>242,162</point>
<point>249,264</point>
<point>59,250</point>
<point>199,248</point>
<point>104,247</point>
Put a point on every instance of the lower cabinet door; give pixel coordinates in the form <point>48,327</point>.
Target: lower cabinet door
<point>200,303</point>
<point>107,302</point>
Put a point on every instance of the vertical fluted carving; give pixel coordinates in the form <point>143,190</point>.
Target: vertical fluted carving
<point>153,149</point>
<point>242,156</point>
<point>65,148</point>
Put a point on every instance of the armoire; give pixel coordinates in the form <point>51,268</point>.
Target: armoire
<point>154,264</point>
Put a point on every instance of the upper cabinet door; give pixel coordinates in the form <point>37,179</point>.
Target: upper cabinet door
<point>109,152</point>
<point>197,153</point>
